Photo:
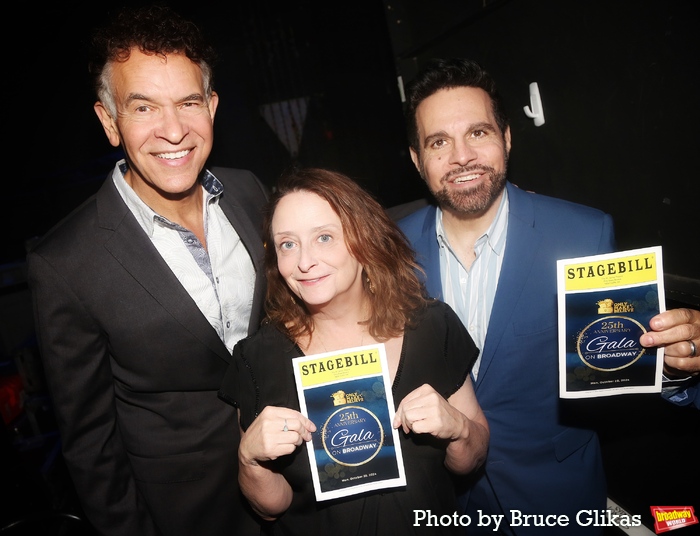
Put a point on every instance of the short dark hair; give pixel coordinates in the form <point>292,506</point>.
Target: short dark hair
<point>446,74</point>
<point>390,277</point>
<point>155,30</point>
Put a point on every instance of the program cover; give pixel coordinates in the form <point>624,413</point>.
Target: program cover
<point>605,304</point>
<point>347,394</point>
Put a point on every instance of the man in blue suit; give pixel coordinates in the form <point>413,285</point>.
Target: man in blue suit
<point>489,250</point>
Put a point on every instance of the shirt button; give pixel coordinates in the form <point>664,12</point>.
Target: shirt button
<point>228,323</point>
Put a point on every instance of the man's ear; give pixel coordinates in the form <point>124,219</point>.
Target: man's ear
<point>415,157</point>
<point>506,137</point>
<point>213,104</point>
<point>108,124</point>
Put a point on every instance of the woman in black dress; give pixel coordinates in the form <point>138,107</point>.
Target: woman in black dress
<point>340,275</point>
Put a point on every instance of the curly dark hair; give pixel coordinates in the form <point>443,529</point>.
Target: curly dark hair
<point>390,276</point>
<point>446,74</point>
<point>156,30</point>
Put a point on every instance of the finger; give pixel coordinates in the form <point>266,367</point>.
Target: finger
<point>300,426</point>
<point>416,406</point>
<point>423,419</point>
<point>667,337</point>
<point>674,317</point>
<point>682,366</point>
<point>682,349</point>
<point>672,326</point>
<point>401,419</point>
<point>396,422</point>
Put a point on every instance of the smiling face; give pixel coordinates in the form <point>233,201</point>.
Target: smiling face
<point>463,153</point>
<point>164,123</point>
<point>312,256</point>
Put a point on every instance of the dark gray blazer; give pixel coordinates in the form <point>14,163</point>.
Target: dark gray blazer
<point>133,368</point>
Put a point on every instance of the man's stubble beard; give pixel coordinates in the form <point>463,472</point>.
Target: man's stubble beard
<point>477,200</point>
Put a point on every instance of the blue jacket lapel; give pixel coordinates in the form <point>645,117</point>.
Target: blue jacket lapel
<point>521,250</point>
<point>428,255</point>
<point>522,244</point>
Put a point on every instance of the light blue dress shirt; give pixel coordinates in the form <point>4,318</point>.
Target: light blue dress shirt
<point>471,292</point>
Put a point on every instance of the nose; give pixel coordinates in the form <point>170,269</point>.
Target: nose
<point>462,153</point>
<point>307,259</point>
<point>173,127</point>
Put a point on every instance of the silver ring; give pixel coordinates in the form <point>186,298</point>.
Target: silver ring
<point>693,349</point>
<point>285,429</point>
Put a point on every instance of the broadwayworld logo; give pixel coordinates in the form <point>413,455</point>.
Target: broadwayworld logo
<point>672,517</point>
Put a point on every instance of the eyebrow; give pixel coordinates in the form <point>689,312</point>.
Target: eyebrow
<point>481,125</point>
<point>135,97</point>
<point>435,136</point>
<point>330,226</point>
<point>484,125</point>
<point>193,97</point>
<point>141,97</point>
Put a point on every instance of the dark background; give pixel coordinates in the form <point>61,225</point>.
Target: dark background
<point>618,83</point>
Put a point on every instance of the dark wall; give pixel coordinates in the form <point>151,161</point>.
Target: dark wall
<point>618,82</point>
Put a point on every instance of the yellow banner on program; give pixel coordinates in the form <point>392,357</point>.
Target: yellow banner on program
<point>632,270</point>
<point>334,367</point>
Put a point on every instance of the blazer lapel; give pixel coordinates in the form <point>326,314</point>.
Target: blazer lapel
<point>133,250</point>
<point>246,230</point>
<point>521,249</point>
<point>428,254</point>
<point>250,234</point>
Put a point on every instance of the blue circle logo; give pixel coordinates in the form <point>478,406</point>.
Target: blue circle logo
<point>352,435</point>
<point>610,343</point>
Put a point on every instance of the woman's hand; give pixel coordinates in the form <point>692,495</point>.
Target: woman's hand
<point>459,420</point>
<point>275,432</point>
<point>425,411</point>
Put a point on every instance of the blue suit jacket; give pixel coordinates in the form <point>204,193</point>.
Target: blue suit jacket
<point>537,463</point>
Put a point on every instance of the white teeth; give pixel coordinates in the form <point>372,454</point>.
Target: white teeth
<point>173,156</point>
<point>467,178</point>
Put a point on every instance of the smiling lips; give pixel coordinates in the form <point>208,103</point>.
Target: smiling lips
<point>468,178</point>
<point>464,175</point>
<point>175,155</point>
<point>311,281</point>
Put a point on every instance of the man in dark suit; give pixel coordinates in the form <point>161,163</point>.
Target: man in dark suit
<point>489,250</point>
<point>142,292</point>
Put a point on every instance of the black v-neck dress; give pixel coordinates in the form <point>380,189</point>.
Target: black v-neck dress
<point>438,351</point>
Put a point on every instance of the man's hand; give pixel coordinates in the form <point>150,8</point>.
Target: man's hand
<point>678,331</point>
